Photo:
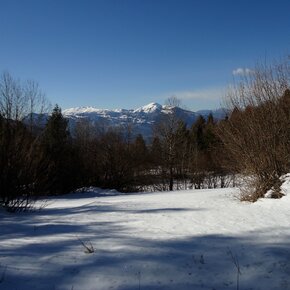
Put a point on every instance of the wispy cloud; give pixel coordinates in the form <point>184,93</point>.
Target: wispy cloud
<point>200,98</point>
<point>242,71</point>
<point>202,94</point>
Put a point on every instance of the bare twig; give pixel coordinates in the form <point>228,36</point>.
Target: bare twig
<point>89,249</point>
<point>235,260</point>
<point>3,274</point>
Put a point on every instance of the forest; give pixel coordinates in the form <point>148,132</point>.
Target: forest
<point>251,146</point>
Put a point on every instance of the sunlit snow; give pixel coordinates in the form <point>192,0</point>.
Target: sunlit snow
<point>169,240</point>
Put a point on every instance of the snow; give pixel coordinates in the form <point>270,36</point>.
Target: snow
<point>82,110</point>
<point>141,115</point>
<point>150,108</point>
<point>285,179</point>
<point>168,240</point>
<point>91,111</point>
<point>286,183</point>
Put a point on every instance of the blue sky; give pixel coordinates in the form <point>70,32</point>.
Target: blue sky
<point>127,53</point>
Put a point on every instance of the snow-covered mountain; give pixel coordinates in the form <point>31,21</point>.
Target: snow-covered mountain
<point>141,120</point>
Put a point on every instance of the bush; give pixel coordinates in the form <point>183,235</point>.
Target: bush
<point>257,133</point>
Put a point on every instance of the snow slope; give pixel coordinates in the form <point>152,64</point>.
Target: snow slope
<point>169,240</point>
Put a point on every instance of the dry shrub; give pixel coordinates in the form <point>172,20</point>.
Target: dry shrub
<point>257,133</point>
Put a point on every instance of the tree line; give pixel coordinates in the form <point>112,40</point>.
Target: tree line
<point>40,157</point>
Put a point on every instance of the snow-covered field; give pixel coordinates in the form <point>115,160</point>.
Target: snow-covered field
<point>178,240</point>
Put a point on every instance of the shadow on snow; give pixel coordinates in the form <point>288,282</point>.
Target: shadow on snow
<point>131,262</point>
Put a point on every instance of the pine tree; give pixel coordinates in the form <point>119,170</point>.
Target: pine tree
<point>198,130</point>
<point>140,151</point>
<point>56,132</point>
<point>56,141</point>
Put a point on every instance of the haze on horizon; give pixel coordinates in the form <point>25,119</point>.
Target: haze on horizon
<point>125,54</point>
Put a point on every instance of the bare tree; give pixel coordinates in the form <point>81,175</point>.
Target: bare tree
<point>36,103</point>
<point>167,132</point>
<point>12,101</point>
<point>19,100</point>
<point>173,101</point>
<point>257,134</point>
<point>22,162</point>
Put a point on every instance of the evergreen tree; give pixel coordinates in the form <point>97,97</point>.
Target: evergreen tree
<point>155,152</point>
<point>140,151</point>
<point>57,145</point>
<point>198,131</point>
<point>56,132</point>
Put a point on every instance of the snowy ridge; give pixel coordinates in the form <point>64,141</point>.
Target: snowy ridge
<point>90,110</point>
<point>148,109</point>
<point>152,108</point>
<point>141,120</point>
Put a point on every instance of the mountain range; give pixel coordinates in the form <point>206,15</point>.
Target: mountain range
<point>141,120</point>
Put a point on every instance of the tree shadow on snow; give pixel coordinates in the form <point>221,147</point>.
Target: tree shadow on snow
<point>52,257</point>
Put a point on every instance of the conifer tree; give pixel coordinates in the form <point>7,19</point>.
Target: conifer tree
<point>140,151</point>
<point>59,150</point>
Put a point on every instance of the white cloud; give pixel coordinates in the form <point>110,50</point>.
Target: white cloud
<point>242,71</point>
<point>203,94</point>
<point>209,98</point>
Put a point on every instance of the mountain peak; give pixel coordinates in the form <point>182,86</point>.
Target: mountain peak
<point>80,110</point>
<point>150,108</point>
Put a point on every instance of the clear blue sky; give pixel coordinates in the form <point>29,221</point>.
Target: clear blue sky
<point>127,53</point>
